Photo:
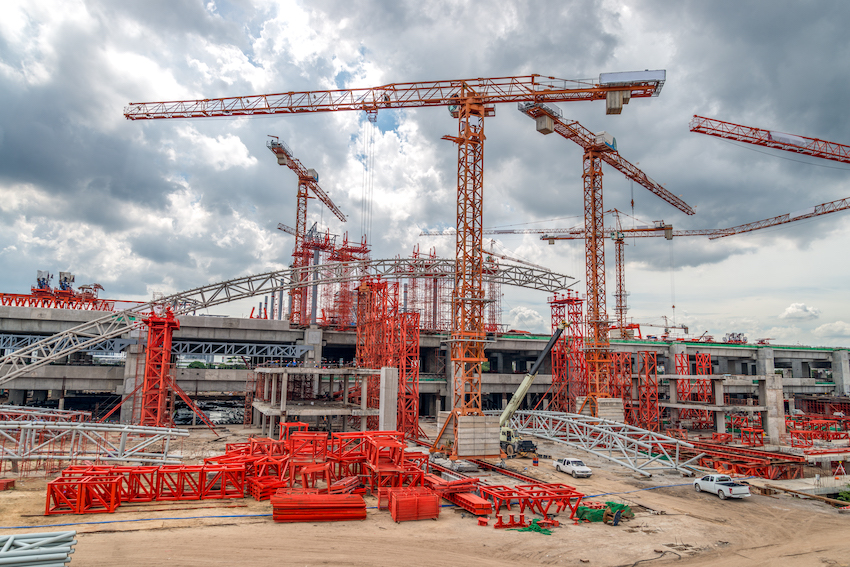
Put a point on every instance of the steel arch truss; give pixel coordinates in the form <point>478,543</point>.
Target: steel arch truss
<point>89,335</point>
<point>632,447</point>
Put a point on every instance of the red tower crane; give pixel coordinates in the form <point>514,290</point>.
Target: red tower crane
<point>597,148</point>
<point>308,182</point>
<point>470,101</point>
<point>771,139</point>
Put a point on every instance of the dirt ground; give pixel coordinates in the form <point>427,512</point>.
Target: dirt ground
<point>673,524</point>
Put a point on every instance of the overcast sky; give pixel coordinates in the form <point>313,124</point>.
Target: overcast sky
<point>168,205</point>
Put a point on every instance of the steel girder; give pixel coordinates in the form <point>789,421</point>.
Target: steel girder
<point>638,449</point>
<point>98,442</point>
<point>15,342</point>
<point>88,335</point>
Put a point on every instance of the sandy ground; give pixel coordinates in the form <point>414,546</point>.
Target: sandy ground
<point>673,525</point>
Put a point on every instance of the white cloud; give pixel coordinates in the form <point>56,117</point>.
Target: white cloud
<point>223,152</point>
<point>838,329</point>
<point>800,311</point>
<point>526,319</point>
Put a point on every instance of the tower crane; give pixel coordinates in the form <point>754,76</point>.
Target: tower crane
<point>597,148</point>
<point>469,101</point>
<point>308,182</point>
<point>771,139</point>
<point>661,229</point>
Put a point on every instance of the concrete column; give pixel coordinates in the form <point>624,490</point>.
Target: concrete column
<point>345,391</point>
<point>134,365</point>
<point>764,362</point>
<point>676,348</point>
<point>841,372</point>
<point>284,387</point>
<point>770,395</point>
<point>17,397</point>
<point>388,417</point>
<point>674,398</point>
<point>313,336</point>
<point>273,398</point>
<point>500,362</point>
<point>719,416</point>
<point>797,369</point>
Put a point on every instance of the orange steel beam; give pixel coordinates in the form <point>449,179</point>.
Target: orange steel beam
<point>469,101</point>
<point>771,139</point>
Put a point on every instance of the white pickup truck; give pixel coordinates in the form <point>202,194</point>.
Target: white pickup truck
<point>721,485</point>
<point>572,466</point>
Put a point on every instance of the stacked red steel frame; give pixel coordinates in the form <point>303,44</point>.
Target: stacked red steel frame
<point>101,489</point>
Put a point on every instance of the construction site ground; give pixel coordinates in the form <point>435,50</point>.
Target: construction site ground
<point>672,524</point>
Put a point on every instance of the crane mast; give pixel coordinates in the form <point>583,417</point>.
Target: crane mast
<point>597,148</point>
<point>469,101</point>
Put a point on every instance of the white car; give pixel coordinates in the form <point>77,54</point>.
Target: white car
<point>573,466</point>
<point>722,485</point>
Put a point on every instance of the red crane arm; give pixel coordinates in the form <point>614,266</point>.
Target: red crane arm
<point>816,211</point>
<point>572,130</point>
<point>771,139</point>
<point>712,233</point>
<point>408,95</point>
<point>285,155</point>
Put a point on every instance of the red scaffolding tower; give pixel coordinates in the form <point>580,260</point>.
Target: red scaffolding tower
<point>648,411</point>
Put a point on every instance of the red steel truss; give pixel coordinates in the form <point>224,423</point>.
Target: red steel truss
<point>771,139</point>
<point>621,376</point>
<point>408,375</point>
<point>158,387</point>
<point>702,391</point>
<point>157,405</point>
<point>577,362</point>
<point>597,346</point>
<point>648,411</point>
<point>387,336</point>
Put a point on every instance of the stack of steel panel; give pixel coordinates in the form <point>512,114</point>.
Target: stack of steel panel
<point>410,504</point>
<point>7,483</point>
<point>347,485</point>
<point>317,507</point>
<point>444,486</point>
<point>470,502</point>
<point>263,487</point>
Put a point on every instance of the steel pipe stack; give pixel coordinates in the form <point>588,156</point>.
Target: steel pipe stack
<point>52,549</point>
